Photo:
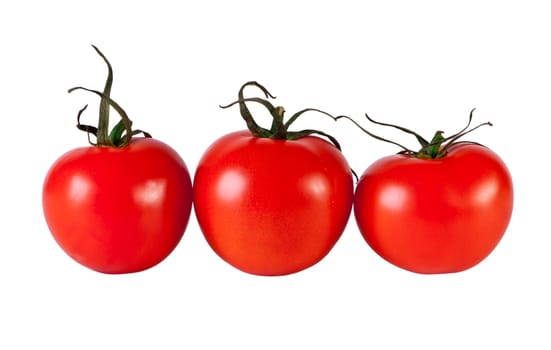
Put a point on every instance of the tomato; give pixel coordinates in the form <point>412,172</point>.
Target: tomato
<point>435,215</point>
<point>121,205</point>
<point>118,210</point>
<point>272,206</point>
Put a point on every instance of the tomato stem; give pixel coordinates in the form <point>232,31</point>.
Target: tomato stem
<point>279,129</point>
<point>405,150</point>
<point>122,132</point>
<point>435,149</point>
<point>103,122</point>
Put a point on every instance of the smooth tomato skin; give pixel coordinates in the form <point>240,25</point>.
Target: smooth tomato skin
<point>435,216</point>
<point>272,207</point>
<point>118,210</point>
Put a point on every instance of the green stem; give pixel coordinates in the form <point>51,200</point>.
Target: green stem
<point>419,138</point>
<point>103,122</point>
<point>404,149</point>
<point>279,129</point>
<point>122,132</point>
<point>435,149</point>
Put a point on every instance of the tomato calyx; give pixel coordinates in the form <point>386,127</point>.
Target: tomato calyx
<point>435,149</point>
<point>279,129</point>
<point>121,134</point>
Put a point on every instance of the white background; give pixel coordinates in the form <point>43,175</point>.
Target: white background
<point>421,64</point>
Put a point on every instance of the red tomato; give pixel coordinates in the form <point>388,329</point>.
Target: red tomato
<point>122,205</point>
<point>118,210</point>
<point>435,215</point>
<point>272,207</point>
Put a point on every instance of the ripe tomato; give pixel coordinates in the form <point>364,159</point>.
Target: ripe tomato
<point>437,215</point>
<point>118,210</point>
<point>272,206</point>
<point>121,205</point>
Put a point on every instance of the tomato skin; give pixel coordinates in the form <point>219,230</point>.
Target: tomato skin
<point>272,207</point>
<point>118,210</point>
<point>437,215</point>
